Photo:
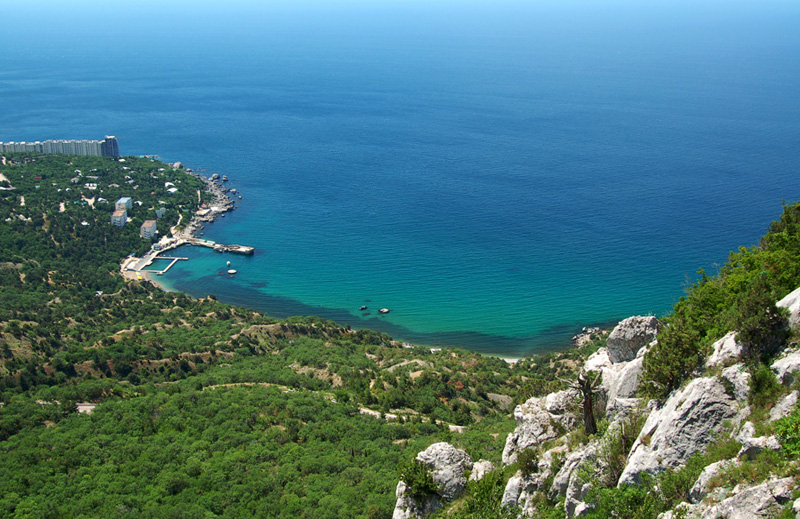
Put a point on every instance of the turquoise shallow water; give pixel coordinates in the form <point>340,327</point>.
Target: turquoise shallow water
<point>498,176</point>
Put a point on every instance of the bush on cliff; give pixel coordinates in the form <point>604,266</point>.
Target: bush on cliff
<point>740,297</point>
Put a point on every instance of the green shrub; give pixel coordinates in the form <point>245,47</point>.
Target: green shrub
<point>788,431</point>
<point>483,500</point>
<point>528,462</point>
<point>417,477</point>
<point>617,445</point>
<point>764,387</point>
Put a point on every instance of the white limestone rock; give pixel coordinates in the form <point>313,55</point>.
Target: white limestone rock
<point>760,501</point>
<point>448,467</point>
<point>480,469</point>
<point>629,336</point>
<point>784,407</point>
<point>700,489</point>
<point>792,303</point>
<point>513,490</point>
<point>597,361</point>
<point>682,510</point>
<point>727,351</point>
<point>569,483</point>
<point>786,367</point>
<point>687,423</point>
<point>752,447</point>
<point>747,432</point>
<point>619,409</point>
<point>539,420</point>
<point>627,380</point>
<point>739,379</point>
<point>520,489</point>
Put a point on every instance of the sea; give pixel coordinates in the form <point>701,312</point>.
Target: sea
<point>499,175</point>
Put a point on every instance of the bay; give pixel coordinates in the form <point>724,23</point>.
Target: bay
<point>499,176</point>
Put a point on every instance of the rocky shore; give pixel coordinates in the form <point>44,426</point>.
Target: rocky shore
<point>222,201</point>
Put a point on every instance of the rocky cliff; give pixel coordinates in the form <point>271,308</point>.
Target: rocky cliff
<point>642,440</point>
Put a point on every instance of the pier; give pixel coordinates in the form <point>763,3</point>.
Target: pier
<point>219,247</point>
<point>137,265</point>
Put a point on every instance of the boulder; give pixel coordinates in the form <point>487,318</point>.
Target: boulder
<point>784,407</point>
<point>747,432</point>
<point>539,420</point>
<point>448,467</point>
<point>520,489</point>
<point>569,483</point>
<point>513,490</point>
<point>726,351</point>
<point>761,501</point>
<point>629,336</point>
<point>739,379</point>
<point>480,469</point>
<point>792,303</point>
<point>598,360</point>
<point>626,381</point>
<point>786,366</point>
<point>700,489</point>
<point>752,447</point>
<point>687,423</point>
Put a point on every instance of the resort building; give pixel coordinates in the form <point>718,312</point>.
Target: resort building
<point>148,229</point>
<point>119,217</point>
<point>105,148</point>
<point>124,203</point>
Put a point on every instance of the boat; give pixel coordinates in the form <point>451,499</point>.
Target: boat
<point>362,307</point>
<point>232,271</point>
<point>384,310</point>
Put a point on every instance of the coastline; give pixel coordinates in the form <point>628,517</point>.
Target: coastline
<point>207,212</point>
<point>133,268</point>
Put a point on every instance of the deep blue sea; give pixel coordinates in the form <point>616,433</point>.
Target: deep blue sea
<point>498,174</point>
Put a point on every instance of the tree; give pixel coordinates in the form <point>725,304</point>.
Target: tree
<point>587,387</point>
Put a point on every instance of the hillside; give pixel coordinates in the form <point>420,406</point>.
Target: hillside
<point>120,400</point>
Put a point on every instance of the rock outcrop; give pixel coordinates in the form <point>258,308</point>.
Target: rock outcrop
<point>786,367</point>
<point>539,420</point>
<point>630,336</point>
<point>784,406</point>
<point>792,303</point>
<point>686,424</point>
<point>726,351</point>
<point>700,488</point>
<point>569,482</point>
<point>480,469</point>
<point>448,467</point>
<point>739,379</point>
<point>760,501</point>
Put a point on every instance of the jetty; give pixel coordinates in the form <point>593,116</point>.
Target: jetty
<point>219,247</point>
<point>137,265</point>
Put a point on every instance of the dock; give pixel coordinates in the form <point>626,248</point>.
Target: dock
<point>133,264</point>
<point>219,247</point>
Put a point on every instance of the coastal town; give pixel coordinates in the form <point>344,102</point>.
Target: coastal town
<point>151,193</point>
<point>222,201</point>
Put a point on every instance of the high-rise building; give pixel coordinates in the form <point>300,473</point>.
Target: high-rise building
<point>106,148</point>
<point>109,147</point>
